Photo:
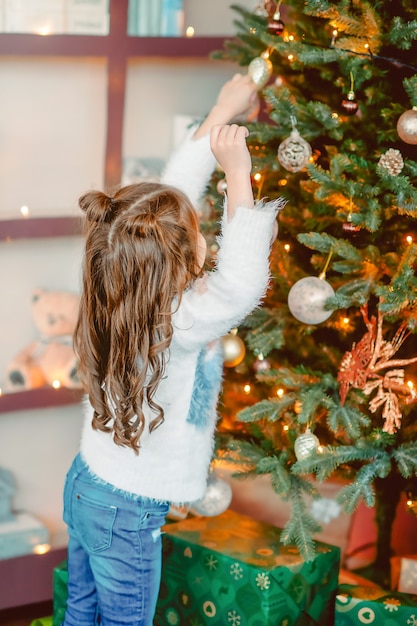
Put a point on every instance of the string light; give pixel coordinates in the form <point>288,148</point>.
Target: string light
<point>190,32</point>
<point>285,427</point>
<point>41,548</point>
<point>334,35</point>
<point>257,177</point>
<point>24,211</point>
<point>409,239</point>
<point>247,389</point>
<point>280,392</point>
<point>283,182</point>
<point>290,58</point>
<point>56,384</point>
<point>287,247</point>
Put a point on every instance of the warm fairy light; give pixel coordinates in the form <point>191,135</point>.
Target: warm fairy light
<point>189,31</point>
<point>280,392</point>
<point>41,548</point>
<point>253,30</point>
<point>291,38</point>
<point>410,503</point>
<point>366,46</point>
<point>247,389</point>
<point>1,391</point>
<point>265,54</point>
<point>409,239</point>
<point>44,30</point>
<point>282,182</point>
<point>320,449</point>
<point>410,384</point>
<point>285,427</point>
<point>56,384</point>
<point>335,32</point>
<point>257,177</point>
<point>24,211</point>
<point>287,247</point>
<point>335,115</point>
<point>346,321</point>
<point>290,58</point>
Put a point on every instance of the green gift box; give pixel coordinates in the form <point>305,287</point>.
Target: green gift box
<point>233,570</point>
<point>42,621</point>
<point>357,605</point>
<point>60,593</point>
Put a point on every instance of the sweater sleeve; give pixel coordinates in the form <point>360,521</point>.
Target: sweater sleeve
<point>190,167</point>
<point>226,295</point>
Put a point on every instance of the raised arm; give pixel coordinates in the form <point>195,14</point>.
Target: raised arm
<point>192,164</point>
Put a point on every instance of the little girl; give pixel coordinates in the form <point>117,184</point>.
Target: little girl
<point>150,359</point>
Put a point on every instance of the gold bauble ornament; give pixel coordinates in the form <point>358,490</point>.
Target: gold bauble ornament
<point>260,70</point>
<point>234,350</point>
<point>407,126</point>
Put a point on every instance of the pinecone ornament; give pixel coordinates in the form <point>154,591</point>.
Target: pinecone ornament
<point>391,161</point>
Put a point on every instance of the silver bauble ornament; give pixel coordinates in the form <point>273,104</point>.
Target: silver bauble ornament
<point>407,126</point>
<point>260,71</point>
<point>307,297</point>
<point>234,350</point>
<point>305,444</point>
<point>222,186</point>
<point>294,152</point>
<point>216,499</point>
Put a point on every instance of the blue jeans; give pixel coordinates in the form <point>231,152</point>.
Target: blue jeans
<point>114,552</point>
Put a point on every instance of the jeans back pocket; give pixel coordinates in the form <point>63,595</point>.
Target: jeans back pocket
<point>94,521</point>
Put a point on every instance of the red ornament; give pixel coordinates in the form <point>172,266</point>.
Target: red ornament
<point>276,25</point>
<point>349,104</point>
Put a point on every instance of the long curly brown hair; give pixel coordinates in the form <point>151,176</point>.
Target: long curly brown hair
<point>140,255</point>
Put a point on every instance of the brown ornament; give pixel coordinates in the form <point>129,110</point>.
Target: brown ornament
<point>349,104</point>
<point>276,25</point>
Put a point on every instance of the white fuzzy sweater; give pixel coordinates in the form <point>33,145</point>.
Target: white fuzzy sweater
<point>173,460</point>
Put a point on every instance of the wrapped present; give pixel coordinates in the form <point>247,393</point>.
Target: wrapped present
<point>60,593</point>
<point>404,573</point>
<point>231,569</point>
<point>358,605</point>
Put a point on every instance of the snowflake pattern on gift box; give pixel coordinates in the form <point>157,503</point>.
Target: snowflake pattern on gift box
<point>172,617</point>
<point>325,509</point>
<point>234,618</point>
<point>262,581</point>
<point>412,620</point>
<point>392,604</point>
<point>211,562</point>
<point>236,571</point>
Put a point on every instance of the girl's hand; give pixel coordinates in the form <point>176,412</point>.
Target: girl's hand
<point>228,143</point>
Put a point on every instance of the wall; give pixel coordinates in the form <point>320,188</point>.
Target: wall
<point>52,142</point>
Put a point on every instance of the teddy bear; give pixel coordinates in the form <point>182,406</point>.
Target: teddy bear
<point>49,359</point>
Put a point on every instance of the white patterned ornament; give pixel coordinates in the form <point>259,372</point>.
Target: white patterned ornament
<point>305,444</point>
<point>294,152</point>
<point>216,499</point>
<point>307,298</point>
<point>260,71</point>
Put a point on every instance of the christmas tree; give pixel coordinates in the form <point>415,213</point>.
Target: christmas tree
<point>320,380</point>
